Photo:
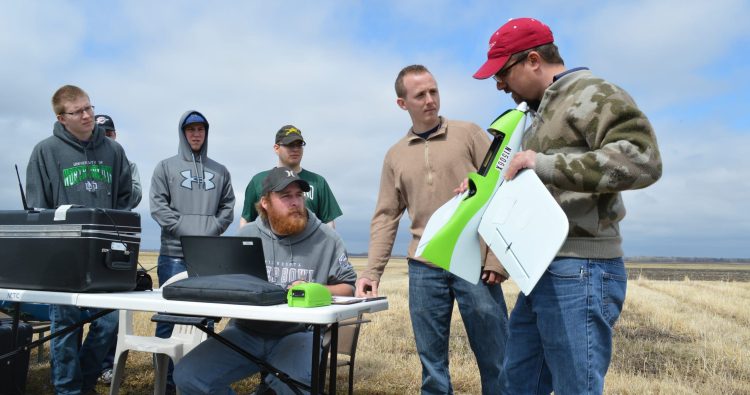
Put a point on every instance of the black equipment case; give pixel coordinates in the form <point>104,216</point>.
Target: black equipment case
<point>73,249</point>
<point>14,371</point>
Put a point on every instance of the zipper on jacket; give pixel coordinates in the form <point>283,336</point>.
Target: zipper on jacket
<point>427,161</point>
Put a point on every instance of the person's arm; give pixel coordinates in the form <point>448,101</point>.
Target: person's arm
<point>493,271</point>
<point>160,198</point>
<point>388,211</point>
<point>341,275</point>
<point>136,196</point>
<point>340,289</point>
<point>248,209</point>
<point>124,183</point>
<point>225,211</point>
<point>624,154</point>
<point>38,192</point>
<point>327,208</point>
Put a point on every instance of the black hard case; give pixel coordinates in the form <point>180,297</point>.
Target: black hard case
<point>14,371</point>
<point>73,250</point>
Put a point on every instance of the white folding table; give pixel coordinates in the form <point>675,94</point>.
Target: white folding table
<point>318,317</point>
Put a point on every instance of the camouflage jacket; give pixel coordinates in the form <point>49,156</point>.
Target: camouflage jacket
<point>592,142</point>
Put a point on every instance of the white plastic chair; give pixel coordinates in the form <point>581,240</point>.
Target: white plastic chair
<point>184,338</point>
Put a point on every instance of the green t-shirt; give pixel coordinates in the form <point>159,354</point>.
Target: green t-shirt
<point>319,200</point>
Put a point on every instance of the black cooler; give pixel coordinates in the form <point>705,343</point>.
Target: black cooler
<point>73,249</point>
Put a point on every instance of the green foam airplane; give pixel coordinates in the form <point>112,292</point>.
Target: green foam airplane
<point>450,239</point>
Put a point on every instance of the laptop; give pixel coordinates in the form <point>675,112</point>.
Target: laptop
<point>210,255</point>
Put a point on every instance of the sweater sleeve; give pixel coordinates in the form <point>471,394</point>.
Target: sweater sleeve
<point>137,190</point>
<point>249,213</point>
<point>124,184</point>
<point>225,212</point>
<point>160,200</point>
<point>622,151</point>
<point>341,271</point>
<point>388,211</point>
<point>38,192</point>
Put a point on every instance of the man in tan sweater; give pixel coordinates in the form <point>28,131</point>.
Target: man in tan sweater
<point>419,175</point>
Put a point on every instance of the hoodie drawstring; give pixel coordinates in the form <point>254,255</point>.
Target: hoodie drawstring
<point>200,174</point>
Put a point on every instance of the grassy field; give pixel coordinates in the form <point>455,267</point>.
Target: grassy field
<point>689,271</point>
<point>674,337</point>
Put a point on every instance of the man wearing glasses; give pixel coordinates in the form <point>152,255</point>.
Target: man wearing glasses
<point>79,165</point>
<point>289,147</point>
<point>588,142</point>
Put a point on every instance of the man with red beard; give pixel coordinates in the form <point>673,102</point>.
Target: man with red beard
<point>297,248</point>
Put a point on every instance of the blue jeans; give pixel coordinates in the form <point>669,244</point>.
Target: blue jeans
<point>561,333</point>
<point>211,366</point>
<point>166,267</point>
<point>74,370</point>
<point>432,292</point>
<point>109,360</point>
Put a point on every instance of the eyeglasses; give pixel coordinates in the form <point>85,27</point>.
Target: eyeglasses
<point>295,145</point>
<point>79,113</point>
<point>500,75</point>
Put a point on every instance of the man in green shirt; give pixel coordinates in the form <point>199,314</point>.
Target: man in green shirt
<point>289,147</point>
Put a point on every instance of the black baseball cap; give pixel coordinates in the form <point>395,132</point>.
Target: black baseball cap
<point>105,122</point>
<point>288,134</point>
<point>280,177</point>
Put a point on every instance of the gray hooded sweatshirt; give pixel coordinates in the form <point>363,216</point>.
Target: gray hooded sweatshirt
<point>64,170</point>
<point>190,194</point>
<point>317,254</point>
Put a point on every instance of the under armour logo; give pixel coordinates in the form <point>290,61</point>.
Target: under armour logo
<point>189,179</point>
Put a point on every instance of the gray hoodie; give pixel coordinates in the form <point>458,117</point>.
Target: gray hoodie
<point>190,194</point>
<point>63,170</point>
<point>317,254</point>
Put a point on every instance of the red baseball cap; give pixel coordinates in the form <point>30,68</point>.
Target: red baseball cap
<point>514,36</point>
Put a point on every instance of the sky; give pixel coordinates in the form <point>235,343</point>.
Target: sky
<point>328,67</point>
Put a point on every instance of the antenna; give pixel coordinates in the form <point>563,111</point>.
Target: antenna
<point>23,195</point>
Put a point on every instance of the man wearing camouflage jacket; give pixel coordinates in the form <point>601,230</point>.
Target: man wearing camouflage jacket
<point>588,143</point>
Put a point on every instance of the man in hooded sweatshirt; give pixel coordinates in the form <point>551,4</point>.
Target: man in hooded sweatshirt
<point>298,248</point>
<point>78,165</point>
<point>190,195</point>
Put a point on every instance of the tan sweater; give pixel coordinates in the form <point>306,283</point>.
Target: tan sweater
<point>419,176</point>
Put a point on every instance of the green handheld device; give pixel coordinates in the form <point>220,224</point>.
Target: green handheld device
<point>308,295</point>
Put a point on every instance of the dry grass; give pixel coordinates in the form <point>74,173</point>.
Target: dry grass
<point>674,337</point>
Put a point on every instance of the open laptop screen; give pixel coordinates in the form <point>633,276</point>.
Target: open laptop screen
<point>210,255</point>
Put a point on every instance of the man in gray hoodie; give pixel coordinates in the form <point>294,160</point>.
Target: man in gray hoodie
<point>190,195</point>
<point>298,248</point>
<point>77,165</point>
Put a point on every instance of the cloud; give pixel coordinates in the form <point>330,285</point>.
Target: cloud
<point>328,67</point>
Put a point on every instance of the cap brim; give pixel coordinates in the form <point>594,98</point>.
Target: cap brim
<point>302,184</point>
<point>193,123</point>
<point>290,139</point>
<point>491,67</point>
